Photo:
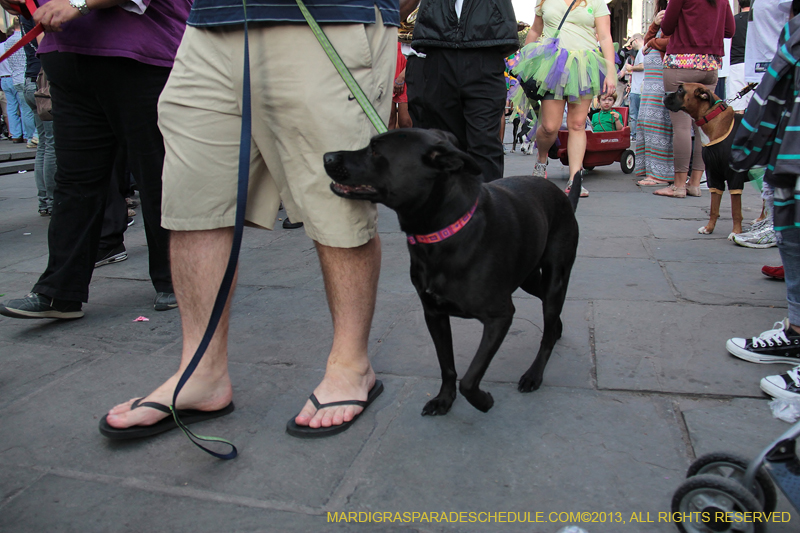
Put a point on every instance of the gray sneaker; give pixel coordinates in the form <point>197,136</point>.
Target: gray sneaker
<point>165,301</point>
<point>763,238</point>
<point>540,170</point>
<point>36,305</point>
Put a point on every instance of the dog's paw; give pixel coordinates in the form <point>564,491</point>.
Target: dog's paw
<point>480,400</point>
<point>437,406</point>
<point>529,383</point>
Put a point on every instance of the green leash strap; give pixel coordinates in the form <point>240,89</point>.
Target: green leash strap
<point>341,68</point>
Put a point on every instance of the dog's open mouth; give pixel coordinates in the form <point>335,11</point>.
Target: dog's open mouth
<point>352,190</point>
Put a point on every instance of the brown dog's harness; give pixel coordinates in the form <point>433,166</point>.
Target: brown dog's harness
<point>443,234</point>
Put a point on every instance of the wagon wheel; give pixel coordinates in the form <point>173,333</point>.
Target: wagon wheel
<point>627,161</point>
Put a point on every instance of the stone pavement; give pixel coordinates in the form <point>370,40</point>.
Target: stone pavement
<point>639,385</point>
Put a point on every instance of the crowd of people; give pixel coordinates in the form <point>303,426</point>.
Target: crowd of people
<point>120,71</point>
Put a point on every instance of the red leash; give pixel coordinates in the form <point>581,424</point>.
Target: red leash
<point>26,11</point>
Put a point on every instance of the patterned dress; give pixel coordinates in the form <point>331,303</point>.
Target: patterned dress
<point>654,128</point>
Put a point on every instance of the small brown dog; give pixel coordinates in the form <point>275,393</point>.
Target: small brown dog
<point>717,122</point>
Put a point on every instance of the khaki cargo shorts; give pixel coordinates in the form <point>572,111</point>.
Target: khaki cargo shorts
<point>301,109</point>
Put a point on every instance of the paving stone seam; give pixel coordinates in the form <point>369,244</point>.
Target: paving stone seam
<point>363,458</point>
<point>684,429</point>
<point>180,492</point>
<point>21,491</point>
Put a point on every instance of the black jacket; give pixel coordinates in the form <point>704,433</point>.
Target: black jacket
<point>483,24</point>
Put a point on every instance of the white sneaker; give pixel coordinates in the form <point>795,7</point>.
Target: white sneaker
<point>757,225</point>
<point>763,238</point>
<point>540,170</point>
<point>784,385</point>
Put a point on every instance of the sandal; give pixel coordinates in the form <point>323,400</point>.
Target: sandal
<point>672,191</point>
<point>693,191</point>
<point>651,182</point>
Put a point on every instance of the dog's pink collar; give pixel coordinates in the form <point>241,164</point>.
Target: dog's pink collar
<point>441,235</point>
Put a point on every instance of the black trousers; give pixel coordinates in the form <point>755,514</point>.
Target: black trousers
<point>463,92</point>
<point>115,220</point>
<point>100,103</point>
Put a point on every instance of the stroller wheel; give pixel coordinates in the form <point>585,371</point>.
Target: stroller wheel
<point>734,467</point>
<point>714,504</point>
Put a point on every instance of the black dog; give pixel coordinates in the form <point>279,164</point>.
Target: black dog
<point>471,244</point>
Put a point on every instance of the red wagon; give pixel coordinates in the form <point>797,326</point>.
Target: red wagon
<point>602,148</point>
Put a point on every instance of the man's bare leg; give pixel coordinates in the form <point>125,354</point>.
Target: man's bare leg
<point>197,271</point>
<point>351,285</point>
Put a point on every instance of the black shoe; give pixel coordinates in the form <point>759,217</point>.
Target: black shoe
<point>36,305</point>
<point>288,224</point>
<point>778,345</point>
<point>44,212</point>
<point>165,301</point>
<point>130,221</point>
<point>107,257</point>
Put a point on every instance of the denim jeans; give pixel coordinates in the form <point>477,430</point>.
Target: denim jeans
<point>633,112</point>
<point>28,116</point>
<point>789,247</point>
<point>12,104</point>
<point>45,165</point>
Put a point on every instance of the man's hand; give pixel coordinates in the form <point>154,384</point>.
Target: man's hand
<point>8,3</point>
<point>53,14</point>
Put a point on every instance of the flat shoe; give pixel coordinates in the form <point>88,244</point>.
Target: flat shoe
<point>306,432</point>
<point>693,191</point>
<point>187,416</point>
<point>671,191</point>
<point>651,182</point>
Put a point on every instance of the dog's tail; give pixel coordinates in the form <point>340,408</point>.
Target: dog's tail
<point>575,190</point>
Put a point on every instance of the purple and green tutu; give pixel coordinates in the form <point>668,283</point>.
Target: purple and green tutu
<point>569,75</point>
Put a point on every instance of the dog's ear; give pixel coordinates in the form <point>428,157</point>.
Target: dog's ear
<point>702,94</point>
<point>446,136</point>
<point>446,157</point>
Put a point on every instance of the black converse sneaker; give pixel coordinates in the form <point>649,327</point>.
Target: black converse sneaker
<point>778,345</point>
<point>783,386</point>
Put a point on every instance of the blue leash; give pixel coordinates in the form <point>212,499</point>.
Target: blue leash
<point>230,270</point>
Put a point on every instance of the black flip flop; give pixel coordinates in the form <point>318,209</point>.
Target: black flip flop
<point>305,432</point>
<point>187,416</point>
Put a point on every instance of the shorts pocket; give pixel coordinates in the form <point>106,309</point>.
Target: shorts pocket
<point>350,41</point>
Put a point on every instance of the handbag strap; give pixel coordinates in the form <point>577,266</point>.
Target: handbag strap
<point>569,9</point>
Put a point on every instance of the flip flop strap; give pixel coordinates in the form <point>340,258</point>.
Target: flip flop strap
<point>152,405</point>
<point>318,405</point>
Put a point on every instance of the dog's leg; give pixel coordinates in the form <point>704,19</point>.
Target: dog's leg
<point>439,328</point>
<point>716,201</point>
<point>736,210</point>
<point>553,285</point>
<point>494,331</point>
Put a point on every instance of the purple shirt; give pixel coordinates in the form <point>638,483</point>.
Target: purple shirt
<point>151,38</point>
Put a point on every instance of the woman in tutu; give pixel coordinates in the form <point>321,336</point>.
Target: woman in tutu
<point>561,55</point>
